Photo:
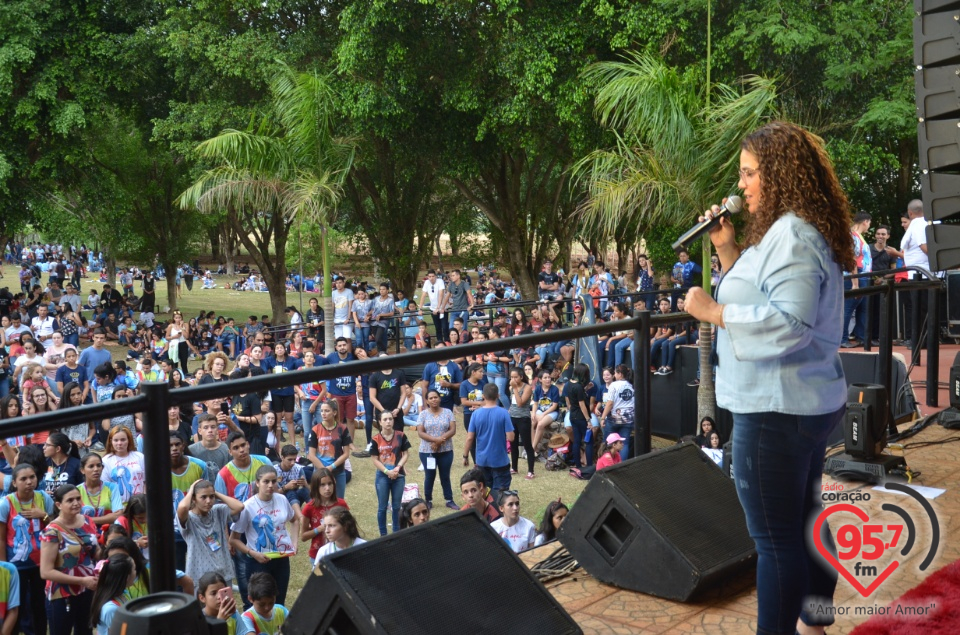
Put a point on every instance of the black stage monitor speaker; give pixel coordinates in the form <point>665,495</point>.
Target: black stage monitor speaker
<point>928,6</point>
<point>667,523</point>
<point>451,575</point>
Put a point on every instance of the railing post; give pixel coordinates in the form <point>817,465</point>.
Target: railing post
<point>887,316</point>
<point>156,450</point>
<point>641,385</point>
<point>915,322</point>
<point>869,302</point>
<point>933,346</point>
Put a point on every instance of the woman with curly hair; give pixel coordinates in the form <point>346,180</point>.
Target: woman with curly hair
<point>779,309</point>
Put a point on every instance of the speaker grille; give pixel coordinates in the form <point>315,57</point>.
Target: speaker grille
<point>449,576</point>
<point>708,534</point>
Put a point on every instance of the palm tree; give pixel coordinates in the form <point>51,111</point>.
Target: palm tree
<point>676,152</point>
<point>289,165</point>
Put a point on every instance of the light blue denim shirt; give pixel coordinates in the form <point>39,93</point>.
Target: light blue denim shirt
<point>783,311</point>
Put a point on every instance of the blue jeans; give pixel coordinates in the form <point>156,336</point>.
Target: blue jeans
<point>72,339</point>
<point>70,615</point>
<point>655,350</point>
<point>444,462</point>
<point>578,431</point>
<point>496,478</point>
<point>858,307</point>
<point>463,315</point>
<point>618,350</point>
<point>279,568</point>
<point>308,419</point>
<point>361,337</point>
<point>5,386</point>
<point>501,381</point>
<point>388,489</point>
<point>670,349</point>
<point>778,463</point>
<point>341,482</point>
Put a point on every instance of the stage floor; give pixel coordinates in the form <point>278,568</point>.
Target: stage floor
<point>600,609</point>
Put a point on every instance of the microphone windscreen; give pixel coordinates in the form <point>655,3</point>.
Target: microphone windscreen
<point>734,204</point>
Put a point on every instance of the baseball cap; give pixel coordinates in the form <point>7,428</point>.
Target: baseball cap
<point>613,437</point>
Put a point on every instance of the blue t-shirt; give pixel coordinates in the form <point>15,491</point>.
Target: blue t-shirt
<point>65,375</point>
<point>490,427</point>
<point>342,386</point>
<point>546,399</point>
<point>472,393</point>
<point>90,358</point>
<point>271,365</point>
<point>433,373</point>
<point>107,611</point>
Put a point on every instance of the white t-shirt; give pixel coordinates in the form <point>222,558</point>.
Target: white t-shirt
<point>126,473</point>
<point>331,547</point>
<point>520,537</point>
<point>915,236</point>
<point>620,393</point>
<point>265,524</point>
<point>433,291</point>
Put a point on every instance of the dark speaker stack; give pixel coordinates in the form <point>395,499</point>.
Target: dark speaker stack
<point>451,575</point>
<point>936,53</point>
<point>667,523</point>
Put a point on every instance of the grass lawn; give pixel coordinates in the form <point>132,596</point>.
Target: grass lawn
<point>534,494</point>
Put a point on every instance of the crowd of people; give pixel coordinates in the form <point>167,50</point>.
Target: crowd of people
<point>255,474</point>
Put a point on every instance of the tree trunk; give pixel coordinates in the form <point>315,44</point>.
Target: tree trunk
<point>214,234</point>
<point>171,280</point>
<point>273,268</point>
<point>327,300</point>
<point>454,244</point>
<point>229,249</point>
<point>111,268</point>
<point>439,254</point>
<point>706,393</point>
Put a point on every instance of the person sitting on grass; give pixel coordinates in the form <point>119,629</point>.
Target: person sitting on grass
<point>553,517</point>
<point>519,532</point>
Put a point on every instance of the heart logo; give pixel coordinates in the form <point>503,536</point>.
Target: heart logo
<point>854,582</point>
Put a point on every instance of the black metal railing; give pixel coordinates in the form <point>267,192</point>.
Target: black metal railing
<point>156,398</point>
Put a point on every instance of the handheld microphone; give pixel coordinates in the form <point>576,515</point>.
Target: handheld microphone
<point>733,206</point>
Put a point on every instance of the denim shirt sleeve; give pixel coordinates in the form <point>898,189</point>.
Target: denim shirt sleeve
<point>790,270</point>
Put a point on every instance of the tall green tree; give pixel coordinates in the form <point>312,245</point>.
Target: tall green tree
<point>288,163</point>
<point>674,155</point>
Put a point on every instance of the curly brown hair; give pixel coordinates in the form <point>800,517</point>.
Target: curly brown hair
<point>797,175</point>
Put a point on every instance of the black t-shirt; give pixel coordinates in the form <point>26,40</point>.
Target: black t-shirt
<point>549,279</point>
<point>881,259</point>
<point>248,406</point>
<point>111,326</point>
<point>3,357</point>
<point>576,394</point>
<point>389,387</point>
